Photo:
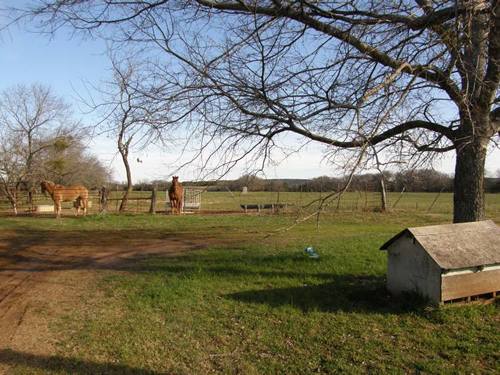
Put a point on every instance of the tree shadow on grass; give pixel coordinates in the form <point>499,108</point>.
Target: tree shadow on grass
<point>348,293</point>
<point>327,292</point>
<point>162,252</point>
<point>337,292</point>
<point>67,365</point>
<point>290,266</point>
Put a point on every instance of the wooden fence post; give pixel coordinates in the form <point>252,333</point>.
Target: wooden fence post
<point>384,196</point>
<point>103,199</point>
<point>30,199</point>
<point>152,208</point>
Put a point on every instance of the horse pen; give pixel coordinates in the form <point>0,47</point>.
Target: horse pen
<point>202,200</point>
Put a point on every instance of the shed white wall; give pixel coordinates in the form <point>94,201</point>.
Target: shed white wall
<point>411,269</point>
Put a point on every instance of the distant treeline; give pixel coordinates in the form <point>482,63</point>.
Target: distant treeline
<point>421,180</point>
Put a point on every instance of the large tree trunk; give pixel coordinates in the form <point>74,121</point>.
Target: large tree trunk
<point>468,198</point>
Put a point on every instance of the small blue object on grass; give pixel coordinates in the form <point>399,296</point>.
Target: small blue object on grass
<point>311,253</point>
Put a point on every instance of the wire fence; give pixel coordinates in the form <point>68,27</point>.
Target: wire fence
<point>261,202</point>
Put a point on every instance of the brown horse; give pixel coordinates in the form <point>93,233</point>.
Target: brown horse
<point>176,195</point>
<point>60,193</point>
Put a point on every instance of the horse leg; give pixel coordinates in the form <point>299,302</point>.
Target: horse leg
<point>85,204</point>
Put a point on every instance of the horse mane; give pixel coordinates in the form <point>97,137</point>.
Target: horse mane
<point>175,183</point>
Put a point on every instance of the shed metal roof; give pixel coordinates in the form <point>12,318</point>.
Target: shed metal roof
<point>455,246</point>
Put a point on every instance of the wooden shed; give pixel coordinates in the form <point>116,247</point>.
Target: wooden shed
<point>445,262</point>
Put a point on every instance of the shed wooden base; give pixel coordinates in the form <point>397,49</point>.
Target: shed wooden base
<point>469,284</point>
<point>480,299</point>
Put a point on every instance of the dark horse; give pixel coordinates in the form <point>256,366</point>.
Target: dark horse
<point>176,195</point>
<point>60,193</point>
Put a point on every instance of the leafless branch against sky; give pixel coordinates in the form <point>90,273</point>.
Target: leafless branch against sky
<point>396,79</point>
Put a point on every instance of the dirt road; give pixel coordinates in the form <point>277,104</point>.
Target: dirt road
<point>44,273</point>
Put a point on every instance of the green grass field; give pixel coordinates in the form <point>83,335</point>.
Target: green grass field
<point>254,304</point>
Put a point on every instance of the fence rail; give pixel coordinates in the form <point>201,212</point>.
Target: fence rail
<point>140,202</point>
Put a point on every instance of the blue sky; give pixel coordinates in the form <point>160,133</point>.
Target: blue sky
<point>66,64</point>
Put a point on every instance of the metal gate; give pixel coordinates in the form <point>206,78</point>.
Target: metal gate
<point>192,197</point>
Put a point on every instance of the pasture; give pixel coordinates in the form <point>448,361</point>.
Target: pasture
<point>196,294</point>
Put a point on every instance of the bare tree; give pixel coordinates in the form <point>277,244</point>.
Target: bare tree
<point>396,79</point>
<point>125,121</point>
<point>32,120</point>
<point>11,169</point>
<point>129,113</point>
